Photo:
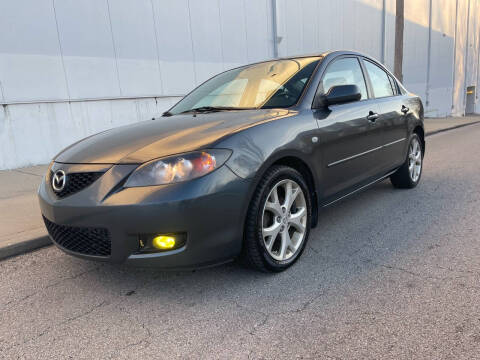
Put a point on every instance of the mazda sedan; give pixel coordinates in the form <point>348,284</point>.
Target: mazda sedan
<point>239,168</point>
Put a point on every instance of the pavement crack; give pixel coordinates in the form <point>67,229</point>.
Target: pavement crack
<point>143,341</point>
<point>400,269</point>
<point>333,357</point>
<point>26,297</point>
<point>259,325</point>
<point>266,316</point>
<point>73,277</point>
<point>313,249</point>
<point>67,321</point>
<point>306,304</point>
<point>469,272</point>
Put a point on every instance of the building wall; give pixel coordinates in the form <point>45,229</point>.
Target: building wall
<point>72,68</point>
<point>438,64</point>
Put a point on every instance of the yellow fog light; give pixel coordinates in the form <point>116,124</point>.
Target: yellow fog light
<point>163,242</point>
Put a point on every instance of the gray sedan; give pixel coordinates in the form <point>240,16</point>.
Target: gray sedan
<point>239,168</point>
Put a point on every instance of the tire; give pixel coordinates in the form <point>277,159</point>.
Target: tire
<point>409,174</point>
<point>273,238</point>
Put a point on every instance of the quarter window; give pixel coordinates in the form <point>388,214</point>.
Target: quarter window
<point>379,79</point>
<point>346,71</point>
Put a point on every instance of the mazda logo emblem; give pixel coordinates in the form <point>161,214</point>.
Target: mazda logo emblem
<point>59,180</point>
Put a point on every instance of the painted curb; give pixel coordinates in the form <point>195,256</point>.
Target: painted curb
<point>24,247</point>
<point>450,128</point>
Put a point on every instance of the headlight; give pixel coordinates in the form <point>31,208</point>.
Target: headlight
<point>177,168</point>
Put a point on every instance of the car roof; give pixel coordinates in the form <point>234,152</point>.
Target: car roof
<point>325,53</point>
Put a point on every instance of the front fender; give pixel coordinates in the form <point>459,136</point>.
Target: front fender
<point>258,147</point>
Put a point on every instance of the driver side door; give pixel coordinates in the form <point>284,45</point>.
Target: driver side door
<point>349,136</point>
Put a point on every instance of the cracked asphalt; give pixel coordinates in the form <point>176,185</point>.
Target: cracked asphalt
<point>387,274</point>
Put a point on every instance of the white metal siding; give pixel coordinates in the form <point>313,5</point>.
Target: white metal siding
<point>30,57</point>
<point>72,50</point>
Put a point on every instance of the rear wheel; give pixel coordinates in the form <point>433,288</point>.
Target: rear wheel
<point>408,175</point>
<point>278,221</point>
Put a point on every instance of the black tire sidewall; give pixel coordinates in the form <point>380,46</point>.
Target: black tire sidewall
<point>401,178</point>
<point>284,174</point>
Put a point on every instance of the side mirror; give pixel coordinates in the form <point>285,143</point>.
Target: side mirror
<point>338,95</point>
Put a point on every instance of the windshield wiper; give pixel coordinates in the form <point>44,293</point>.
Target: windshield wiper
<point>215,108</point>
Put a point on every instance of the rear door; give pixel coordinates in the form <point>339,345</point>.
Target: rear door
<point>393,113</point>
<point>351,142</point>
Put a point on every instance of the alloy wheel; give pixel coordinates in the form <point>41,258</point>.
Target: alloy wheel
<point>415,160</point>
<point>284,220</point>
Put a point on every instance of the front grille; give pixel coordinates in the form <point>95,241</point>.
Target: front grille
<point>82,240</point>
<point>75,182</point>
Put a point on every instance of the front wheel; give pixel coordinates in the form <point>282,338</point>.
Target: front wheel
<point>408,175</point>
<point>278,220</point>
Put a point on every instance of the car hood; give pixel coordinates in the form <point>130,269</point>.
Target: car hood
<point>162,136</point>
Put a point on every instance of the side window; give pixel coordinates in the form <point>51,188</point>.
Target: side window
<point>346,71</point>
<point>379,79</point>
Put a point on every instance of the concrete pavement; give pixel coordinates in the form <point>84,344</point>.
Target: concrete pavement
<point>22,229</point>
<point>387,274</point>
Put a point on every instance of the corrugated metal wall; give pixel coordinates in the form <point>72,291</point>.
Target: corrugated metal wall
<point>73,50</point>
<point>435,64</point>
<point>310,25</point>
<point>71,68</point>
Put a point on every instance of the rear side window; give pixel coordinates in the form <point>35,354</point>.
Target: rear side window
<point>379,79</point>
<point>345,71</point>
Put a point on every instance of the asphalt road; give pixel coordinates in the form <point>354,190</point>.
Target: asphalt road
<point>390,274</point>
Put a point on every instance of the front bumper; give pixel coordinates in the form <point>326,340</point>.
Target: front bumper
<point>210,210</point>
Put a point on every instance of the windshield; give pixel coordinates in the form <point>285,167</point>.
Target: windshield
<point>272,84</point>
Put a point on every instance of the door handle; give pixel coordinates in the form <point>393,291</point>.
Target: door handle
<point>405,109</point>
<point>372,117</point>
